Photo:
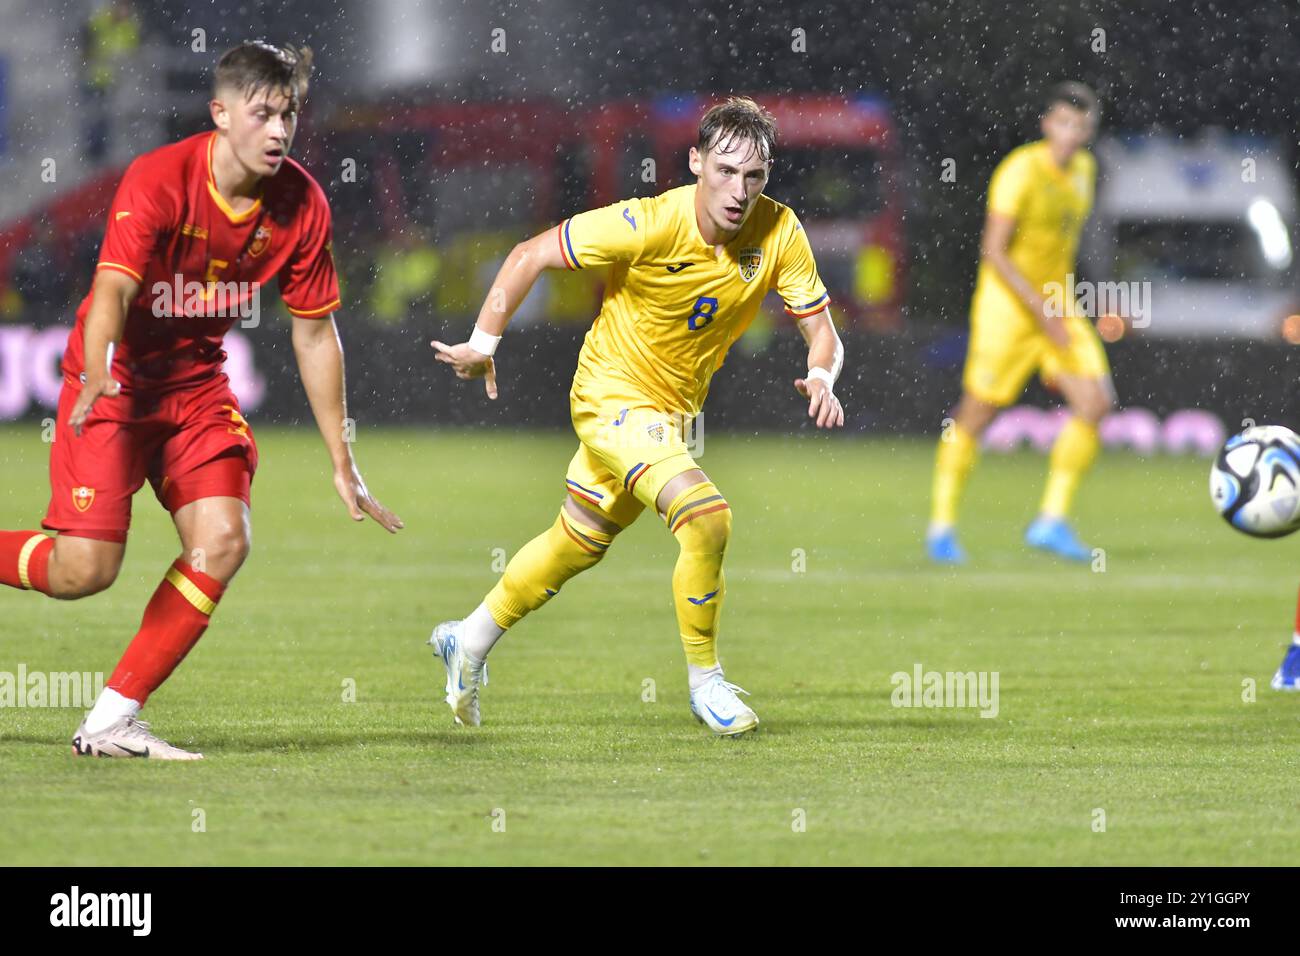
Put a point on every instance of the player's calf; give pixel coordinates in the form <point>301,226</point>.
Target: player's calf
<point>575,542</point>
<point>66,567</point>
<point>699,517</point>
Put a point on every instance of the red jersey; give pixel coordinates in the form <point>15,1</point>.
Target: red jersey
<point>201,265</point>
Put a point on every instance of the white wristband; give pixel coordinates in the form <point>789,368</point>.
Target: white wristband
<point>818,372</point>
<point>482,342</point>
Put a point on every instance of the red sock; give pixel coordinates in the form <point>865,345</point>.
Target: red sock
<point>25,560</point>
<point>176,617</point>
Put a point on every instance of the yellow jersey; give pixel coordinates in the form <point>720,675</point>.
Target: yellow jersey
<point>1049,205</point>
<point>672,307</point>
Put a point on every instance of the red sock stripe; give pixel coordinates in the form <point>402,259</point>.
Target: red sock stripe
<point>695,514</point>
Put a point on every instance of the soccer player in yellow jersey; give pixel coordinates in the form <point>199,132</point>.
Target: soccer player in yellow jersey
<point>1022,321</point>
<point>686,272</point>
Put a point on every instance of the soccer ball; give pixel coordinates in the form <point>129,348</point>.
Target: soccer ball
<point>1255,481</point>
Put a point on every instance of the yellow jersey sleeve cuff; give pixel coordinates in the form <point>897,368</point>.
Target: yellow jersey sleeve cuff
<point>812,308</point>
<point>118,267</point>
<point>566,246</point>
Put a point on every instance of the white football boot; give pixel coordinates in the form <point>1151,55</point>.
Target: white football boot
<point>715,703</point>
<point>128,737</point>
<point>464,674</point>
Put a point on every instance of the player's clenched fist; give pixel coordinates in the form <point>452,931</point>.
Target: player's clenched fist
<point>468,363</point>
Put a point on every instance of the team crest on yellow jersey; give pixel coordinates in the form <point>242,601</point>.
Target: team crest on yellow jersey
<point>749,260</point>
<point>656,432</point>
<point>261,239</point>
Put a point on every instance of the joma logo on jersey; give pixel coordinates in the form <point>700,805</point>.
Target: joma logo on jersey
<point>261,239</point>
<point>83,498</point>
<point>749,260</point>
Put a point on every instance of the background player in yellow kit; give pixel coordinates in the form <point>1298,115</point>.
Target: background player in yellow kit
<point>687,271</point>
<point>1039,197</point>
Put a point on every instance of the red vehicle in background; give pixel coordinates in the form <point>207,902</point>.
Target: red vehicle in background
<point>428,199</point>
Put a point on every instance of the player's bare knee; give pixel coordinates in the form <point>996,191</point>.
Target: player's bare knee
<point>221,551</point>
<point>973,415</point>
<point>1095,406</point>
<point>590,518</point>
<point>82,575</point>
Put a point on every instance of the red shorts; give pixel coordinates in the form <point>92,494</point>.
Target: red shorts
<point>189,443</point>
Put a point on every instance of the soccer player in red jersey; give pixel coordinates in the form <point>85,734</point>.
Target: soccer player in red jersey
<point>194,231</point>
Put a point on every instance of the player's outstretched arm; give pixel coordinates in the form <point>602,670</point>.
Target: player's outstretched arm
<point>113,292</point>
<point>998,230</point>
<point>320,363</point>
<point>825,359</point>
<point>473,359</point>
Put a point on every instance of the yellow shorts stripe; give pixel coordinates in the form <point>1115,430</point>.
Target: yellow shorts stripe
<point>191,592</point>
<point>25,558</point>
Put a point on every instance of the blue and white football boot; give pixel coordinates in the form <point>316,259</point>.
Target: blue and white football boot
<point>1288,675</point>
<point>715,704</point>
<point>943,548</point>
<point>1055,536</point>
<point>465,674</point>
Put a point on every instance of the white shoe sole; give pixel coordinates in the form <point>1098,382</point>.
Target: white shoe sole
<point>733,731</point>
<point>458,700</point>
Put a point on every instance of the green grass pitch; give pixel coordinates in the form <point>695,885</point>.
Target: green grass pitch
<point>1121,691</point>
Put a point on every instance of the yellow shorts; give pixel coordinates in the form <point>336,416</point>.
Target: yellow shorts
<point>1005,350</point>
<point>628,450</point>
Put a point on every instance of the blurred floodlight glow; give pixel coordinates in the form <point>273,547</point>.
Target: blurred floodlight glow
<point>414,36</point>
<point>1273,239</point>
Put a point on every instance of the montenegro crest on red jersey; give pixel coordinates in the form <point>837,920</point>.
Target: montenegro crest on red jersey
<point>83,498</point>
<point>749,260</point>
<point>261,239</point>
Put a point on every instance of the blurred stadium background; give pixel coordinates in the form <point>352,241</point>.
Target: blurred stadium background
<point>446,131</point>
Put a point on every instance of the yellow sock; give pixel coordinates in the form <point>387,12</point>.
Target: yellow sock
<point>538,570</point>
<point>952,466</point>
<point>700,519</point>
<point>1073,453</point>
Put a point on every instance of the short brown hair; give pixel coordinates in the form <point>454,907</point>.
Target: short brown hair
<point>255,66</point>
<point>1072,93</point>
<point>738,120</point>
